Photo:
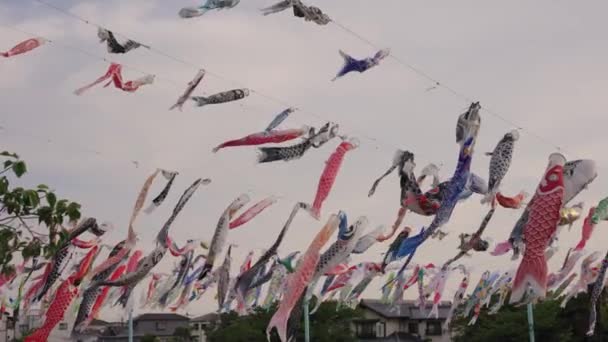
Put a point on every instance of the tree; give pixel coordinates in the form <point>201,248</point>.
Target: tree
<point>24,211</point>
<point>551,323</point>
<point>328,324</point>
<point>149,338</point>
<point>182,334</point>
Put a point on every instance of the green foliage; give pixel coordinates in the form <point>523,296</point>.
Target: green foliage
<point>181,334</point>
<point>149,338</point>
<point>24,211</point>
<point>327,325</point>
<point>551,323</point>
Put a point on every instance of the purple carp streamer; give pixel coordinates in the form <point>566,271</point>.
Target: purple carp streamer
<point>360,65</point>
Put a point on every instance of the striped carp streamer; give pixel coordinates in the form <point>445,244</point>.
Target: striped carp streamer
<point>499,164</point>
<point>221,233</point>
<point>223,97</point>
<point>63,297</point>
<point>158,200</point>
<point>151,260</point>
<point>598,286</point>
<point>23,47</point>
<point>360,65</point>
<point>113,45</point>
<point>279,118</point>
<point>114,75</point>
<point>328,177</point>
<point>293,152</point>
<point>299,280</point>
<point>309,13</point>
<point>244,281</point>
<point>63,255</point>
<point>458,298</point>
<point>99,301</point>
<point>92,294</point>
<point>189,90</point>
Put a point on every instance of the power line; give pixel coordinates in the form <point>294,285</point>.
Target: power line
<point>360,132</point>
<point>437,83</point>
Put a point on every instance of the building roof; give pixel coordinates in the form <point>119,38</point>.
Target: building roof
<point>396,337</point>
<point>210,317</point>
<point>407,309</point>
<point>98,322</point>
<point>160,317</point>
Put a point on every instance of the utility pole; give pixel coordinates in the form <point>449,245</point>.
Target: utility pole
<point>131,324</point>
<point>306,321</point>
<point>531,321</point>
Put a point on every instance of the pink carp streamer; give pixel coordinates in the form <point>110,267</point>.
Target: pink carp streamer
<point>328,177</point>
<point>261,138</point>
<point>587,230</point>
<point>252,212</point>
<point>67,291</point>
<point>114,74</point>
<point>298,281</point>
<point>101,298</point>
<point>23,47</point>
<point>542,223</point>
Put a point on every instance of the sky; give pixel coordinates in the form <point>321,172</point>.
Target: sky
<point>539,65</point>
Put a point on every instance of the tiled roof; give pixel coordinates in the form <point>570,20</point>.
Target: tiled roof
<point>160,317</point>
<point>406,309</point>
<point>206,318</point>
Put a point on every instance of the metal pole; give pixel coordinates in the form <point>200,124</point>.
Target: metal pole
<point>531,322</point>
<point>131,325</point>
<point>306,322</point>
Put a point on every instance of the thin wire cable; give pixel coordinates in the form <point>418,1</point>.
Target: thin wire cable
<point>360,131</point>
<point>437,83</point>
<point>418,71</point>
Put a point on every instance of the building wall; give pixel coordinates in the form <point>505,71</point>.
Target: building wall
<point>197,331</point>
<point>157,327</point>
<point>396,325</point>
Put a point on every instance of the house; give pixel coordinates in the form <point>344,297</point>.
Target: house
<point>404,322</point>
<point>161,325</point>
<point>198,324</point>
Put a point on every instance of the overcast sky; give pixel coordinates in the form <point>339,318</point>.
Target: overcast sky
<point>540,65</point>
